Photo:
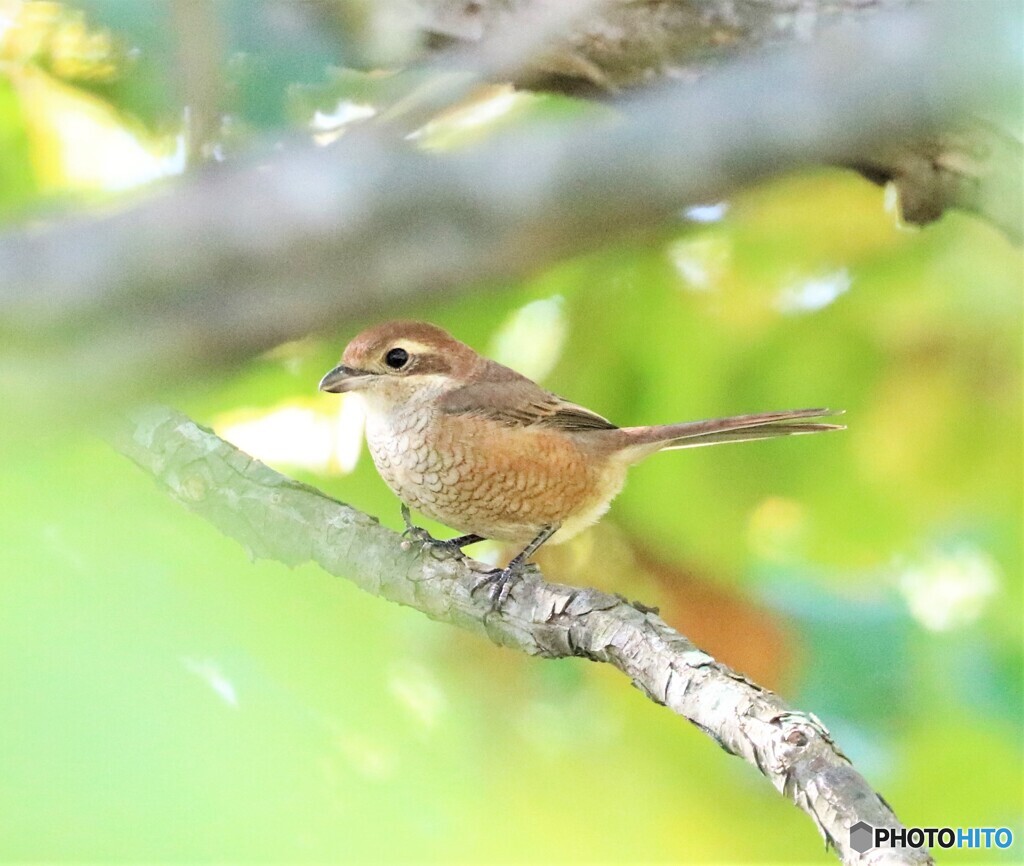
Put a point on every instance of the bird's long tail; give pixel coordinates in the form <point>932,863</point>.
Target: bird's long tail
<point>641,441</point>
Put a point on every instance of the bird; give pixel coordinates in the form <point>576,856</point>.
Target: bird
<point>488,452</point>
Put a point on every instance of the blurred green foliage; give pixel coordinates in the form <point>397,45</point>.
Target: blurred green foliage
<point>16,177</point>
<point>162,697</point>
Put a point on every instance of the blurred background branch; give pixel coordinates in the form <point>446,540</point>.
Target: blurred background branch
<point>274,517</point>
<point>624,44</point>
<point>975,167</point>
<point>224,264</point>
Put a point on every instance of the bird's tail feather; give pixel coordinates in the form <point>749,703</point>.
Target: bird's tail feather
<point>642,441</point>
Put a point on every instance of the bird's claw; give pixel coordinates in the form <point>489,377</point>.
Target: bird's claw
<point>500,581</point>
<point>439,548</point>
<point>418,533</point>
<point>411,529</point>
<point>414,532</point>
<point>503,579</point>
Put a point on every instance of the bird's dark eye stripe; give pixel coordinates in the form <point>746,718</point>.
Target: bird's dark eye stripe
<point>396,358</point>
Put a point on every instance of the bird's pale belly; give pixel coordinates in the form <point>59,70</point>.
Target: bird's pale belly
<point>492,480</point>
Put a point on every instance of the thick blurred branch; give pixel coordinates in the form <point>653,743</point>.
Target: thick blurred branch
<point>625,43</point>
<point>278,518</point>
<point>230,262</point>
<point>622,44</point>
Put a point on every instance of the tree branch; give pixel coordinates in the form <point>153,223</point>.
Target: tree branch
<point>973,167</point>
<point>626,43</point>
<point>278,518</point>
<point>228,263</point>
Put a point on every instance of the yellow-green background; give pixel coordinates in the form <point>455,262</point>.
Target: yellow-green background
<point>162,697</point>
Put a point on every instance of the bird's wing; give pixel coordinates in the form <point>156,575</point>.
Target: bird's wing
<point>515,401</point>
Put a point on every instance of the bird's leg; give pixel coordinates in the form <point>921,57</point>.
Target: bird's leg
<point>411,529</point>
<point>501,579</point>
<point>449,547</point>
<point>453,546</point>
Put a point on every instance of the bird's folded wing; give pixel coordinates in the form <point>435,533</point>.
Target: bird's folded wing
<point>518,402</point>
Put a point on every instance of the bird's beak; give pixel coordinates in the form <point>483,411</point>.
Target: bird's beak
<point>342,379</point>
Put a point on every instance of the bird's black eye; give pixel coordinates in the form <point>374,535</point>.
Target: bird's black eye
<point>396,358</point>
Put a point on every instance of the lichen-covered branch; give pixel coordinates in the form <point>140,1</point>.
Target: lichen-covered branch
<point>278,518</point>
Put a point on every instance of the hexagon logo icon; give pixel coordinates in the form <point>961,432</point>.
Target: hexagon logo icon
<point>862,837</point>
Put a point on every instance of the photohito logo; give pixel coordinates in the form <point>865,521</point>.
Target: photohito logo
<point>864,837</point>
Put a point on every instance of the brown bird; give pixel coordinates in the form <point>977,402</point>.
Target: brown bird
<point>490,453</point>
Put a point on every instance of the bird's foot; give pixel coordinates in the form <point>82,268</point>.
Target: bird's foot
<point>499,582</point>
<point>439,548</point>
<point>502,579</point>
<point>418,533</point>
<point>414,532</point>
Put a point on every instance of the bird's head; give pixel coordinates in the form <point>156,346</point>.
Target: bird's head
<point>394,361</point>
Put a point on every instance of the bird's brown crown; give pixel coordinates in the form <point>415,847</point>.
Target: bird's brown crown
<point>410,347</point>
